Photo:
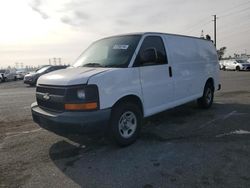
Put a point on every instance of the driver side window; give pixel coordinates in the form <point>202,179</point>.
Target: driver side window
<point>152,42</point>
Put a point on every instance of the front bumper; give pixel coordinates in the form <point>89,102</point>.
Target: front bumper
<point>71,122</point>
<point>29,81</point>
<point>246,68</point>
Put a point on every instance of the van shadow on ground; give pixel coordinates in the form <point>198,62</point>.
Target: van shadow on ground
<point>177,146</point>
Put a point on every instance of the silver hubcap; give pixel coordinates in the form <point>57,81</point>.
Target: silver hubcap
<point>127,124</point>
<point>208,96</point>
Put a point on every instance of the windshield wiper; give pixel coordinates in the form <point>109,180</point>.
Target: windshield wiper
<point>92,65</point>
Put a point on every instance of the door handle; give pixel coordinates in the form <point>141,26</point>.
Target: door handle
<point>170,71</point>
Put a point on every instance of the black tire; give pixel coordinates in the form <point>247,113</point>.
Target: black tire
<point>124,131</point>
<point>237,68</point>
<point>15,79</point>
<point>206,100</point>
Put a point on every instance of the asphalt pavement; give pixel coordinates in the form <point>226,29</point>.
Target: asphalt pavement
<point>182,147</point>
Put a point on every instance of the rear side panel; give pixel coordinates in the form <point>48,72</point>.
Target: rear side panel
<point>194,61</point>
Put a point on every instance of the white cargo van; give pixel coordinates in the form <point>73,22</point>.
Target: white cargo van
<point>120,80</point>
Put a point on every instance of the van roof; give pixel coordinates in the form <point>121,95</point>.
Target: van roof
<point>145,33</point>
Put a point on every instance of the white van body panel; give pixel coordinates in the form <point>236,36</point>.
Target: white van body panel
<point>192,60</point>
<point>157,86</point>
<point>157,89</point>
<point>116,84</point>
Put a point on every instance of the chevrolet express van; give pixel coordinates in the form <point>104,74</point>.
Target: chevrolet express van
<point>120,80</point>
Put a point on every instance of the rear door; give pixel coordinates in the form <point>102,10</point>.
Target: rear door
<point>156,77</point>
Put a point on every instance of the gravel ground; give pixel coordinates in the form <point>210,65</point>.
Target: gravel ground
<point>182,147</point>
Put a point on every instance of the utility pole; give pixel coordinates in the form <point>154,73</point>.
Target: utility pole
<point>214,20</point>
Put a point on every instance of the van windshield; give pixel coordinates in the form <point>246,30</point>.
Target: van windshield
<point>109,52</point>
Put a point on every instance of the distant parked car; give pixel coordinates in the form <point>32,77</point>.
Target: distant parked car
<point>1,76</point>
<point>21,73</point>
<point>237,65</point>
<point>8,74</point>
<point>31,78</point>
<point>221,63</point>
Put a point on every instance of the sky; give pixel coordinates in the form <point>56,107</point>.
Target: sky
<point>34,31</point>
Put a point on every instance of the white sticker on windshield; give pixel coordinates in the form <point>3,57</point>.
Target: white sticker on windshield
<point>120,47</point>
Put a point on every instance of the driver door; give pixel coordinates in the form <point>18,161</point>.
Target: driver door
<point>156,77</point>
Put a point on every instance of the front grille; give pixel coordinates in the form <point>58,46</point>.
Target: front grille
<point>56,97</point>
<point>51,90</point>
<point>50,105</point>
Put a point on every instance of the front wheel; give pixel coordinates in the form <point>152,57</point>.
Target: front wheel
<point>237,68</point>
<point>206,100</point>
<point>125,123</point>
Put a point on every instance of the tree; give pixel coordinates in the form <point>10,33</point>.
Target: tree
<point>221,52</point>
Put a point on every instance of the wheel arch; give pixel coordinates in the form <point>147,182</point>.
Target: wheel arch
<point>130,98</point>
<point>210,81</point>
<point>237,68</point>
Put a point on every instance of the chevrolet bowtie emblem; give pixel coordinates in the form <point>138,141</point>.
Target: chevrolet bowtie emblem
<point>46,96</point>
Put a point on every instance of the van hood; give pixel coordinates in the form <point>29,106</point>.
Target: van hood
<point>70,76</point>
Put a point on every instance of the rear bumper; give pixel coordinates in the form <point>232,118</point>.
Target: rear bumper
<point>71,122</point>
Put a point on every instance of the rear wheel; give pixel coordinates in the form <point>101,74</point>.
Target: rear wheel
<point>206,100</point>
<point>237,68</point>
<point>125,123</point>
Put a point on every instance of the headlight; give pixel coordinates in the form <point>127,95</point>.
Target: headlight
<point>81,94</point>
<point>84,97</point>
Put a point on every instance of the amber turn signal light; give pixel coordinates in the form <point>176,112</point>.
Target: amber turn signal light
<point>81,106</point>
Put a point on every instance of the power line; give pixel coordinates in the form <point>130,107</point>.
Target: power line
<point>235,33</point>
<point>229,12</point>
<point>198,26</point>
<point>201,23</point>
<point>231,26</point>
<point>235,12</point>
<point>239,5</point>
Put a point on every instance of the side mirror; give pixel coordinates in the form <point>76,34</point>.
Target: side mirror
<point>149,56</point>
